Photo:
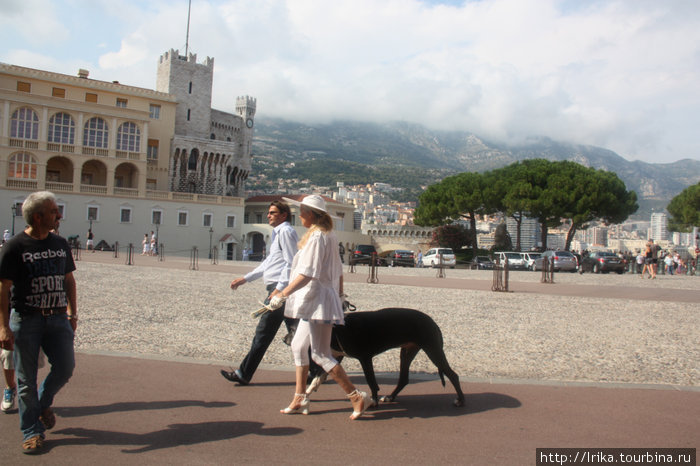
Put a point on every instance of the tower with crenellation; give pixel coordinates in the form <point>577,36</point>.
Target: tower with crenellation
<point>210,148</point>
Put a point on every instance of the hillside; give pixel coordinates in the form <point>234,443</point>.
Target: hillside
<point>409,155</point>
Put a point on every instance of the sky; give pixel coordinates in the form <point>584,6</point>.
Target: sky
<point>618,74</point>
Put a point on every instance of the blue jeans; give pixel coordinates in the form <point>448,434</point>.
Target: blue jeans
<point>55,335</point>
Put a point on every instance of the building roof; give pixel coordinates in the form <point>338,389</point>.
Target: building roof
<point>296,197</point>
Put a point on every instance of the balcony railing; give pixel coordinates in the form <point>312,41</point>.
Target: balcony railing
<point>93,189</point>
<point>21,183</point>
<point>130,192</point>
<point>59,186</point>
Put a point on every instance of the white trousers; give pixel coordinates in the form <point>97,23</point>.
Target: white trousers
<point>318,336</point>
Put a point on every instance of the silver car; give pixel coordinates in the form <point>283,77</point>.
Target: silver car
<point>563,261</point>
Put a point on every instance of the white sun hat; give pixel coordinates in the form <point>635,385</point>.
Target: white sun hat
<point>312,201</point>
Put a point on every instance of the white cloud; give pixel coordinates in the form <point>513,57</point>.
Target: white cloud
<point>615,73</point>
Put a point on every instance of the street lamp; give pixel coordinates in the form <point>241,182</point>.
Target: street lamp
<point>211,233</point>
<point>156,220</point>
<point>14,214</point>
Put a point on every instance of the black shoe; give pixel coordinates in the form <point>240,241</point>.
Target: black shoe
<point>234,377</point>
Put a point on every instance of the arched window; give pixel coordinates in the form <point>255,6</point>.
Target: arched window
<point>24,124</point>
<point>96,133</point>
<point>62,129</point>
<point>192,162</point>
<point>23,165</point>
<point>128,137</point>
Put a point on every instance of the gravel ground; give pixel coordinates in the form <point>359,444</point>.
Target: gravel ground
<point>173,313</point>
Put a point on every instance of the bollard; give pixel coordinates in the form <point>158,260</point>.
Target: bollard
<point>351,261</point>
<point>194,258</point>
<point>373,278</point>
<point>161,252</point>
<point>116,250</point>
<point>500,276</point>
<point>441,268</point>
<point>214,253</point>
<point>76,252</point>
<point>547,270</point>
<point>130,254</point>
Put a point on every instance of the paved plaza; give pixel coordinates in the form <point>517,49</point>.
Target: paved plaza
<point>139,401</point>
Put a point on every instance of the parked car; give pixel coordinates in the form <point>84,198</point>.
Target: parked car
<point>603,261</point>
<point>563,261</point>
<point>362,254</point>
<point>530,258</point>
<point>432,257</point>
<point>515,260</point>
<point>401,257</point>
<point>482,263</point>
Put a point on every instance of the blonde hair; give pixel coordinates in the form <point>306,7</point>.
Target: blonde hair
<point>323,222</point>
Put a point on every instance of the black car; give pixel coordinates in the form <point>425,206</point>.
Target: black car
<point>603,261</point>
<point>401,257</point>
<point>482,263</point>
<point>362,254</point>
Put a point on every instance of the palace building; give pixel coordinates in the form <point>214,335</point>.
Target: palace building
<point>125,161</point>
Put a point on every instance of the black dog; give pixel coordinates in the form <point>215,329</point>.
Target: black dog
<point>367,334</point>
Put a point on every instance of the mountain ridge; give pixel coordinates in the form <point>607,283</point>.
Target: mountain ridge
<point>412,146</point>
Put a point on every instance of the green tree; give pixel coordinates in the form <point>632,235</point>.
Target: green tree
<point>510,191</point>
<point>593,195</point>
<point>684,209</point>
<point>456,197</point>
<point>455,236</point>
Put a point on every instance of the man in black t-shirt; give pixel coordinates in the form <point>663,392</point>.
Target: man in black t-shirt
<point>37,283</point>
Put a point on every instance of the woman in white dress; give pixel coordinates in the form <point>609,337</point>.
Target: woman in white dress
<point>313,297</point>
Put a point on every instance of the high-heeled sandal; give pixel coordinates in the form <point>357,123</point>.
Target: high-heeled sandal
<point>366,403</point>
<point>303,407</point>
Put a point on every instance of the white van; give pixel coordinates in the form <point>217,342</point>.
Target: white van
<point>516,261</point>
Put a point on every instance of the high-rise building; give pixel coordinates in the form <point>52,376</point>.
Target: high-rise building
<point>659,226</point>
<point>530,233</point>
